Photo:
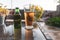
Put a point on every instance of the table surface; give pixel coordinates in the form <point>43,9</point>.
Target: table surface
<point>34,34</point>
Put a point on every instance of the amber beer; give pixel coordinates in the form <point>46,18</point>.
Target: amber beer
<point>29,18</point>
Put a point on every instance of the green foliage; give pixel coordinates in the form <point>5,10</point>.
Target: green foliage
<point>55,21</point>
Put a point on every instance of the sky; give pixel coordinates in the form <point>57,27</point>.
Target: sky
<point>45,4</point>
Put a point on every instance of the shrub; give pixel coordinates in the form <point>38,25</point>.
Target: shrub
<point>55,21</point>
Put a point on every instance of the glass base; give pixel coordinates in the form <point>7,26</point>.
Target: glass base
<point>29,27</point>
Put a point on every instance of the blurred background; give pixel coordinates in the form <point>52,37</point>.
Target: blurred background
<point>46,4</point>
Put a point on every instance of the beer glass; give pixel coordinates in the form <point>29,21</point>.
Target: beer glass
<point>29,16</point>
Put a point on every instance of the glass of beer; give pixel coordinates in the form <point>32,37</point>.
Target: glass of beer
<point>29,16</point>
